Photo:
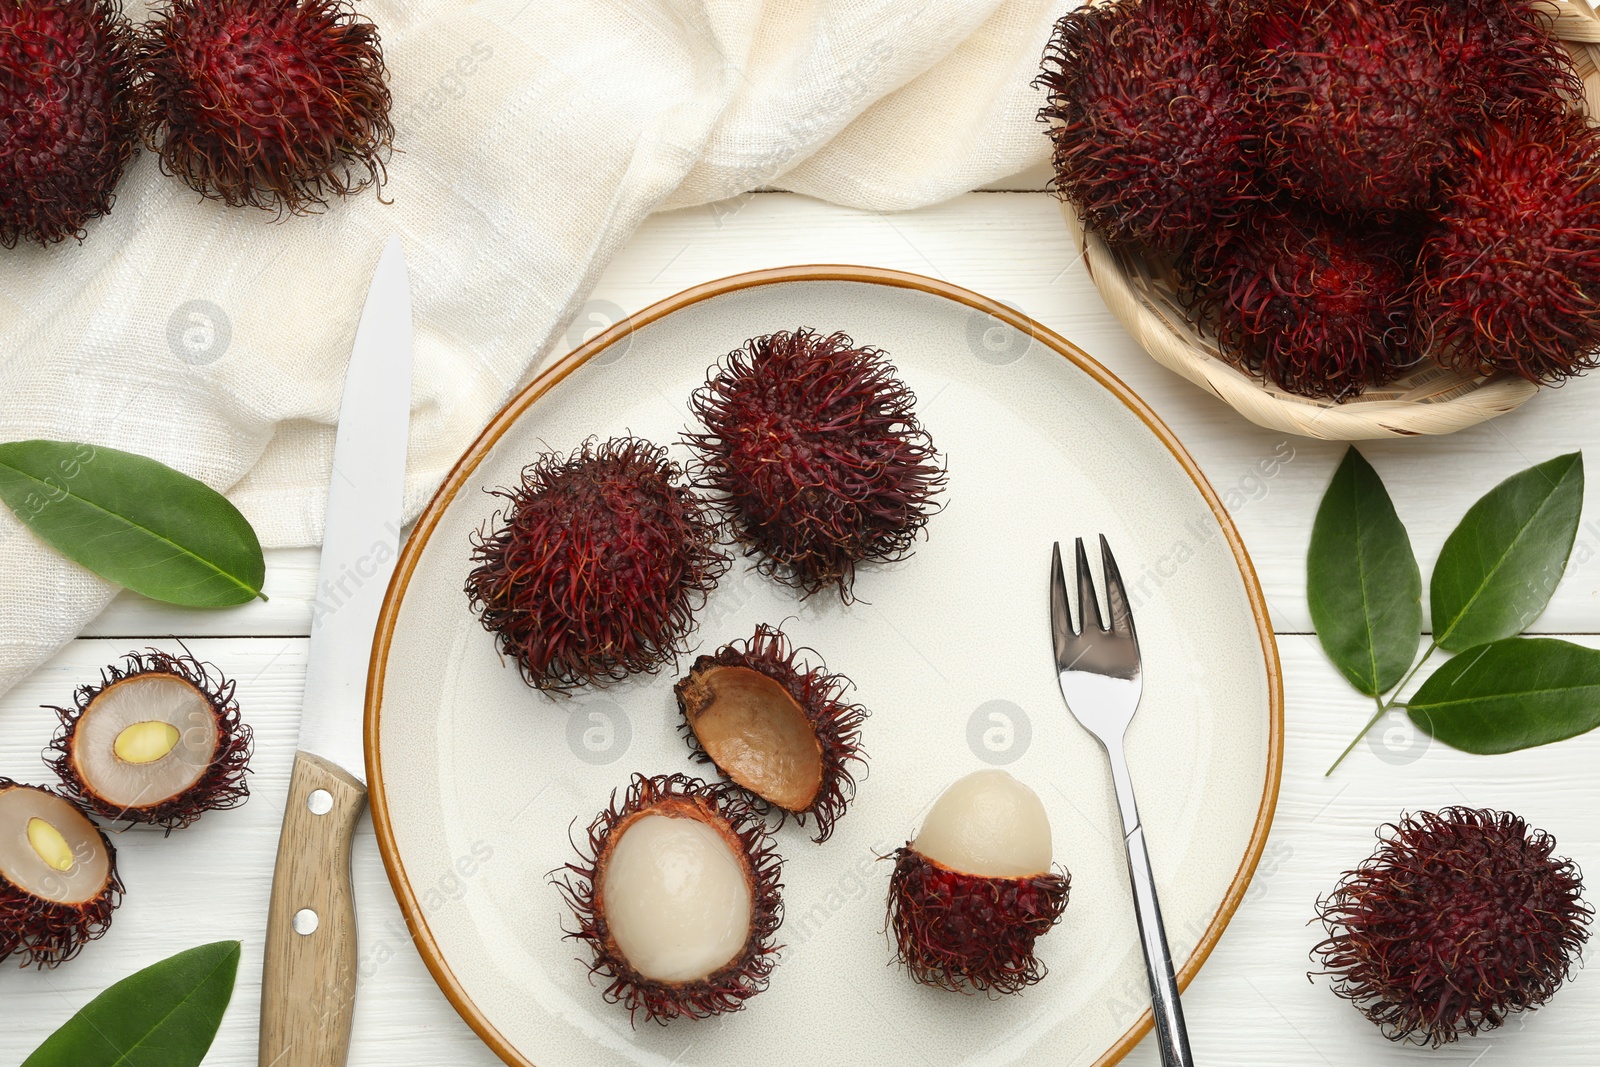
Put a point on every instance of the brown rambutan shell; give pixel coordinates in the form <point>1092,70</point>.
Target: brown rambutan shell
<point>775,726</point>
<point>1461,918</point>
<point>725,810</point>
<point>967,932</point>
<point>67,115</point>
<point>45,931</point>
<point>812,449</point>
<point>276,104</point>
<point>594,569</point>
<point>219,786</point>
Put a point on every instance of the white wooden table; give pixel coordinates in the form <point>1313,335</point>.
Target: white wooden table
<point>1251,1004</point>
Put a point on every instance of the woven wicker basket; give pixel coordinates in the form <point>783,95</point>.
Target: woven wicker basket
<point>1431,400</point>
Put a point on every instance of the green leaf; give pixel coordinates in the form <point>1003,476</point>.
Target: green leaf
<point>1511,694</point>
<point>164,1016</point>
<point>135,521</point>
<point>1362,581</point>
<point>1501,564</point>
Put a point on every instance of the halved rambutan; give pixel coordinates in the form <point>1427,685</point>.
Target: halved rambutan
<point>775,726</point>
<point>66,115</point>
<point>975,890</point>
<point>597,565</point>
<point>1461,918</point>
<point>276,104</point>
<point>1356,106</point>
<point>158,741</point>
<point>1510,280</point>
<point>1319,308</point>
<point>676,893</point>
<point>813,449</point>
<point>1155,141</point>
<point>58,876</point>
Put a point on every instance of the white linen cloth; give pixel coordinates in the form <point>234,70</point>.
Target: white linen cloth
<point>532,138</point>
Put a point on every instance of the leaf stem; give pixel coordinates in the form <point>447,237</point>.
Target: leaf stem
<point>1384,706</point>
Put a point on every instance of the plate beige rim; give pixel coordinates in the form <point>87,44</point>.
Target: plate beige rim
<point>553,375</point>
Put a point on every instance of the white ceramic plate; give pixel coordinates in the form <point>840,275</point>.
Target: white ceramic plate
<point>477,780</point>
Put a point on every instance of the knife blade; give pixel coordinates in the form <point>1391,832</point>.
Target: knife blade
<point>309,972</point>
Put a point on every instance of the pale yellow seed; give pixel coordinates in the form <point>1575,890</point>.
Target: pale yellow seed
<point>50,845</point>
<point>146,742</point>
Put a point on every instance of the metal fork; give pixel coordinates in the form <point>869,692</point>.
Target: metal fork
<point>1098,667</point>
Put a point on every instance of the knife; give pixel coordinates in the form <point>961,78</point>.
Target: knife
<point>308,980</point>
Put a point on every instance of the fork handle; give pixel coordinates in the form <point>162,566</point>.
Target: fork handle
<point>1172,1037</point>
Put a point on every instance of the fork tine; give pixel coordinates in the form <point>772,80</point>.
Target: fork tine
<point>1060,611</point>
<point>1116,594</point>
<point>1088,605</point>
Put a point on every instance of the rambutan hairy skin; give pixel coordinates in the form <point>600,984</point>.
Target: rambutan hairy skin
<point>820,694</point>
<point>812,450</point>
<point>275,104</point>
<point>968,933</point>
<point>725,809</point>
<point>1318,308</point>
<point>223,785</point>
<point>596,565</point>
<point>1155,140</point>
<point>1461,918</point>
<point>1502,59</point>
<point>46,933</point>
<point>67,115</point>
<point>1510,280</point>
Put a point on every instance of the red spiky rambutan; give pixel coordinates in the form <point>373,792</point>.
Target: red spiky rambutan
<point>1459,919</point>
<point>58,876</point>
<point>1510,280</point>
<point>1155,141</point>
<point>677,894</point>
<point>597,565</point>
<point>775,726</point>
<point>159,742</point>
<point>970,896</point>
<point>813,450</point>
<point>1502,59</point>
<point>277,104</point>
<point>1357,111</point>
<point>67,125</point>
<point>1318,308</point>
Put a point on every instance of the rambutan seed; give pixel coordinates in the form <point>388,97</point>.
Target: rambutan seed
<point>1460,919</point>
<point>67,126</point>
<point>58,876</point>
<point>277,104</point>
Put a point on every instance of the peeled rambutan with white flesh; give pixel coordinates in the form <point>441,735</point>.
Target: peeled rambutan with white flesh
<point>812,448</point>
<point>1460,919</point>
<point>676,893</point>
<point>67,125</point>
<point>276,104</point>
<point>58,876</point>
<point>1510,279</point>
<point>775,726</point>
<point>1155,140</point>
<point>975,889</point>
<point>594,570</point>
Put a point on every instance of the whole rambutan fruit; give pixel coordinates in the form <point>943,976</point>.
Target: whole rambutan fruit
<point>812,448</point>
<point>974,891</point>
<point>676,893</point>
<point>1318,308</point>
<point>1356,107</point>
<point>159,741</point>
<point>277,104</point>
<point>775,726</point>
<point>67,125</point>
<point>1510,279</point>
<point>596,566</point>
<point>58,876</point>
<point>1459,919</point>
<point>1155,141</point>
<point>1502,60</point>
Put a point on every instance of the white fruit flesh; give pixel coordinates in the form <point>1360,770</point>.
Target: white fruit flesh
<point>35,827</point>
<point>117,747</point>
<point>988,824</point>
<point>676,898</point>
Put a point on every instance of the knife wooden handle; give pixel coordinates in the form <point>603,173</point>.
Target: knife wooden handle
<point>308,980</point>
